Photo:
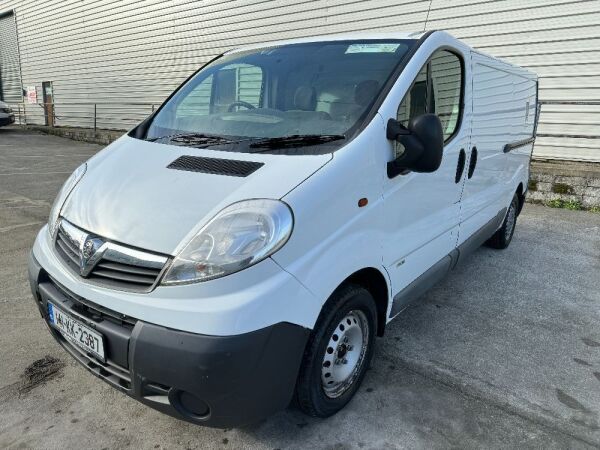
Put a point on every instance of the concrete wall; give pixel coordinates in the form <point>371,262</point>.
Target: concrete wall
<point>565,184</point>
<point>126,55</point>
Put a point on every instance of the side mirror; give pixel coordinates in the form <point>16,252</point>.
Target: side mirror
<point>423,143</point>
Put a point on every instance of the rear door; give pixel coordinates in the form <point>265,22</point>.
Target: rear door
<point>519,145</point>
<point>484,194</point>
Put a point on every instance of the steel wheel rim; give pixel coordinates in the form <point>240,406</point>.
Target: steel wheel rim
<point>510,220</point>
<point>345,354</point>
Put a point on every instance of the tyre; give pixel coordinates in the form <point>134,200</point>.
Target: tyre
<point>501,238</point>
<point>338,353</point>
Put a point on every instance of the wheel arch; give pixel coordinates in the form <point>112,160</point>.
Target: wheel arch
<point>374,281</point>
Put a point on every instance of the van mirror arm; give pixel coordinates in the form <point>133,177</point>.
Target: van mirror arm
<point>394,169</point>
<point>395,130</point>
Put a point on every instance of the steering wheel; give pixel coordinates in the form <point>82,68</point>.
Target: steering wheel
<point>240,103</point>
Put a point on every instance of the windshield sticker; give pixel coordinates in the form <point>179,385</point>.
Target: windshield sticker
<point>372,48</point>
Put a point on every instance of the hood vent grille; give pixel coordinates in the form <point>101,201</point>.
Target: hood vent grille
<point>215,166</point>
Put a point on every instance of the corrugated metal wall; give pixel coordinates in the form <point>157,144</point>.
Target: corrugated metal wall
<point>10,74</point>
<point>125,55</point>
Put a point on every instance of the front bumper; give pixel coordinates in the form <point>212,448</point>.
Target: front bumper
<point>219,381</point>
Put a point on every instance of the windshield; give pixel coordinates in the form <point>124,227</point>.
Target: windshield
<point>297,96</point>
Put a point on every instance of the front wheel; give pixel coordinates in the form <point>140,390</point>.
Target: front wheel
<point>338,352</point>
<point>501,238</point>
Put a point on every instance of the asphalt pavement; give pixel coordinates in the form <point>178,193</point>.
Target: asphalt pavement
<point>505,353</point>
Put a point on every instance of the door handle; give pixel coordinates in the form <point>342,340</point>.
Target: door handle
<point>472,162</point>
<point>460,168</point>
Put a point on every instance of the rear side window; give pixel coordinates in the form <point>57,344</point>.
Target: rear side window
<point>437,89</point>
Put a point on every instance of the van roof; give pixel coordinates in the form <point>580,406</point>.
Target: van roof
<point>331,37</point>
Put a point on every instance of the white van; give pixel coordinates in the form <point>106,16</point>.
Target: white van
<point>247,242</point>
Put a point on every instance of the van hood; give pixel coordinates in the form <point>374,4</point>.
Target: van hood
<point>130,196</point>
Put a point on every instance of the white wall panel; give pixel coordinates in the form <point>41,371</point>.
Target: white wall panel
<point>126,55</point>
<point>557,39</point>
<point>10,71</point>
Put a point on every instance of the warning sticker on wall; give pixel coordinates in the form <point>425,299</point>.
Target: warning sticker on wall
<point>31,95</point>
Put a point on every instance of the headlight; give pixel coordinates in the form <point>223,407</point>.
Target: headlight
<point>62,195</point>
<point>238,237</point>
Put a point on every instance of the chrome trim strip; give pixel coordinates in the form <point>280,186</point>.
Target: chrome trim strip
<point>118,253</point>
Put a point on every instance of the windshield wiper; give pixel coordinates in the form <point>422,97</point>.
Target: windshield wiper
<point>193,139</point>
<point>296,140</point>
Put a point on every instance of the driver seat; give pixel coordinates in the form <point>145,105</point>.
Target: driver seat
<point>304,110</point>
<point>305,98</point>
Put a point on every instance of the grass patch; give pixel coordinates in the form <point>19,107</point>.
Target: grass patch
<point>573,205</point>
<point>595,209</point>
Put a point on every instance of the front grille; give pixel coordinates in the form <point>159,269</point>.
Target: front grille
<point>118,266</point>
<point>112,373</point>
<point>126,275</point>
<point>67,249</point>
<point>92,311</point>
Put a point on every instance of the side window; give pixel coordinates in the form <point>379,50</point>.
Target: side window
<point>238,83</point>
<point>250,84</point>
<point>415,101</point>
<point>437,89</point>
<point>217,92</point>
<point>446,78</point>
<point>197,102</point>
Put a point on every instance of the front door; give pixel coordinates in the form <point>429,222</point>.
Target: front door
<point>48,103</point>
<point>423,209</point>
